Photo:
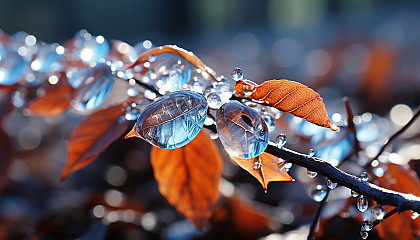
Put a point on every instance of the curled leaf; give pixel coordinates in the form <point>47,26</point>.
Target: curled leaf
<point>188,56</point>
<point>55,101</point>
<point>287,96</point>
<point>265,168</point>
<point>188,177</point>
<point>92,136</point>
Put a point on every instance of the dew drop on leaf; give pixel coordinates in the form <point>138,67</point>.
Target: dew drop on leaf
<point>257,163</point>
<point>269,120</point>
<point>173,120</point>
<point>281,140</point>
<point>311,174</point>
<point>318,193</point>
<point>311,152</point>
<point>214,136</point>
<point>367,225</point>
<point>362,203</point>
<point>415,215</point>
<point>364,176</point>
<point>237,74</point>
<point>364,234</point>
<point>378,212</point>
<point>242,131</point>
<point>198,82</point>
<point>331,185</point>
<point>213,98</point>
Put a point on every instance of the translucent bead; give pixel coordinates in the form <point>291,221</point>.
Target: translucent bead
<point>364,176</point>
<point>47,59</point>
<point>364,234</point>
<point>367,225</point>
<point>318,193</point>
<point>378,212</point>
<point>225,90</point>
<point>415,215</point>
<point>331,185</point>
<point>242,131</point>
<point>173,120</point>
<point>12,66</point>
<point>170,72</point>
<point>269,120</point>
<point>198,82</point>
<point>362,203</point>
<point>257,164</point>
<point>89,48</point>
<point>281,140</point>
<point>213,98</point>
<point>95,88</point>
<point>354,193</point>
<point>237,74</point>
<point>311,152</point>
<point>311,174</point>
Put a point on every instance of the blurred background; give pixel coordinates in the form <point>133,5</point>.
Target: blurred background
<point>368,50</point>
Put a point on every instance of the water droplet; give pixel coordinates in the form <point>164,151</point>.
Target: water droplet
<point>242,131</point>
<point>132,92</point>
<point>18,99</point>
<point>198,82</point>
<point>354,193</point>
<point>224,89</point>
<point>281,140</point>
<point>367,225</point>
<point>379,171</point>
<point>237,74</point>
<point>364,176</point>
<point>318,193</point>
<point>269,120</point>
<point>12,66</point>
<point>311,153</point>
<point>378,212</point>
<point>47,59</point>
<point>415,215</point>
<point>214,136</point>
<point>213,98</point>
<point>311,174</point>
<point>170,72</point>
<point>173,120</point>
<point>331,185</point>
<point>89,48</point>
<point>362,203</point>
<point>257,164</point>
<point>288,165</point>
<point>364,234</point>
<point>95,88</point>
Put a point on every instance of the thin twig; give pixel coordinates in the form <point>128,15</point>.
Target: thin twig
<point>412,120</point>
<point>317,214</point>
<point>351,125</point>
<point>389,214</point>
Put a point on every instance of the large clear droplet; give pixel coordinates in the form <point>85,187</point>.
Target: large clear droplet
<point>257,164</point>
<point>354,193</point>
<point>170,72</point>
<point>173,120</point>
<point>362,203</point>
<point>224,89</point>
<point>95,88</point>
<point>364,176</point>
<point>311,174</point>
<point>198,81</point>
<point>213,98</point>
<point>311,152</point>
<point>364,234</point>
<point>378,212</point>
<point>331,185</point>
<point>281,140</point>
<point>242,131</point>
<point>415,215</point>
<point>367,225</point>
<point>47,59</point>
<point>89,48</point>
<point>237,74</point>
<point>318,193</point>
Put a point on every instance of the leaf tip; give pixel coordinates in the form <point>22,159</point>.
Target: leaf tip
<point>132,133</point>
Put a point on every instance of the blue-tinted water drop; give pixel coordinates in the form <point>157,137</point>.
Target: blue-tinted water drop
<point>173,120</point>
<point>47,59</point>
<point>89,48</point>
<point>362,203</point>
<point>95,88</point>
<point>311,152</point>
<point>269,120</point>
<point>242,131</point>
<point>170,72</point>
<point>331,185</point>
<point>213,98</point>
<point>257,163</point>
<point>311,174</point>
<point>237,74</point>
<point>224,89</point>
<point>378,212</point>
<point>364,176</point>
<point>318,193</point>
<point>367,225</point>
<point>281,140</point>
<point>364,234</point>
<point>12,66</point>
<point>198,82</point>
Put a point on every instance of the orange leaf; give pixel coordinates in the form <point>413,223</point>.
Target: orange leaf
<point>287,96</point>
<point>92,136</point>
<point>132,133</point>
<point>399,226</point>
<point>270,169</point>
<point>55,101</point>
<point>188,56</point>
<point>189,177</point>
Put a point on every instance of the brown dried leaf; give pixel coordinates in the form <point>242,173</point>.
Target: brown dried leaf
<point>189,177</point>
<point>55,101</point>
<point>188,56</point>
<point>92,136</point>
<point>288,96</point>
<point>270,170</point>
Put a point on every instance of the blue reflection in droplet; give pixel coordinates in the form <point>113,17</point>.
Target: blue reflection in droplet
<point>173,120</point>
<point>47,59</point>
<point>89,48</point>
<point>12,66</point>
